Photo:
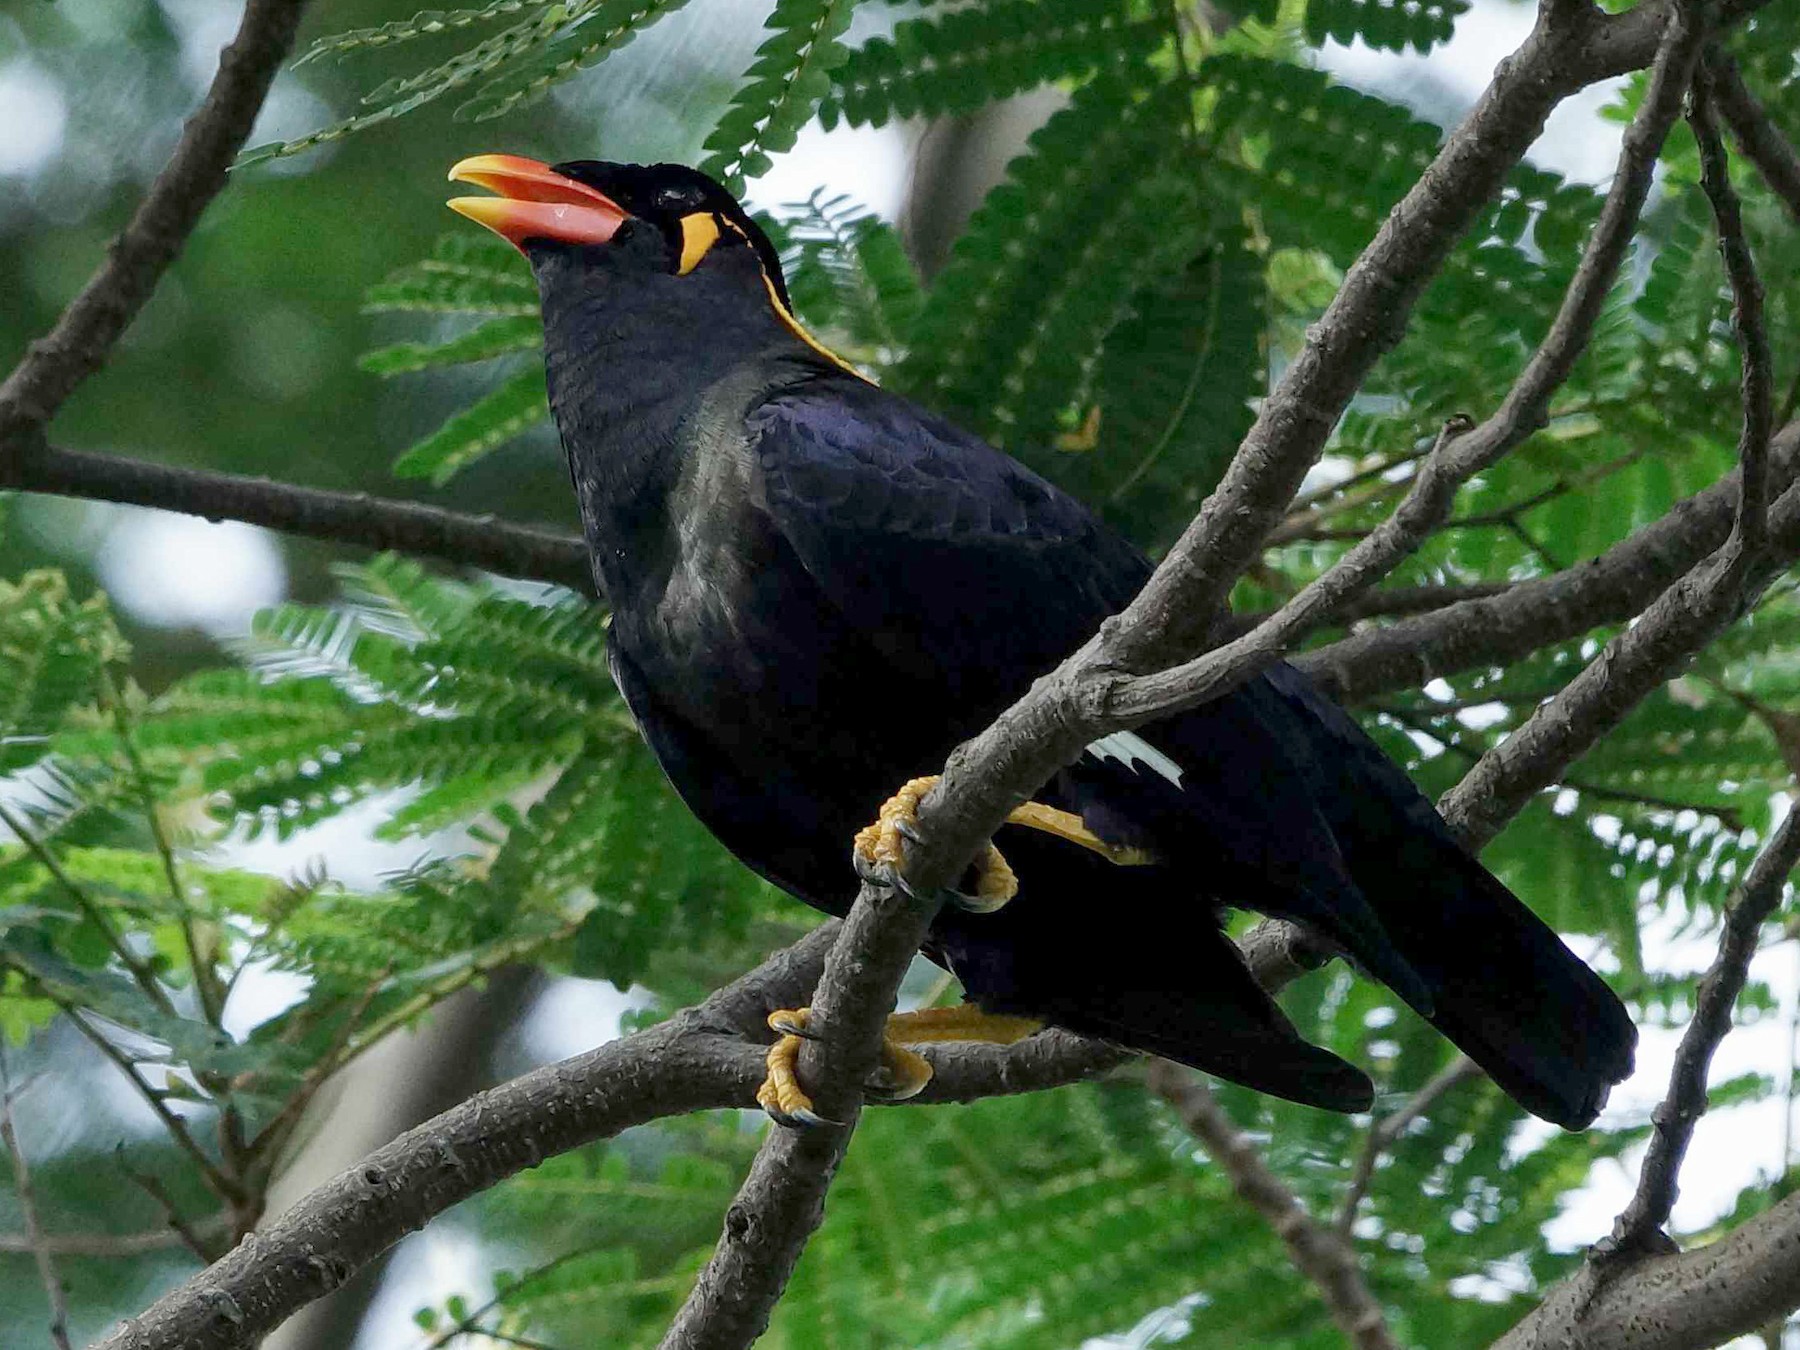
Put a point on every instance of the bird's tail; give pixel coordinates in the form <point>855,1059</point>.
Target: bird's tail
<point>1504,987</point>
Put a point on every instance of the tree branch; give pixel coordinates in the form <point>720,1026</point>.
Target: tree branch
<point>1366,318</point>
<point>1462,452</point>
<point>1687,616</point>
<point>1384,1132</point>
<point>1686,1301</point>
<point>704,1058</point>
<point>1319,1253</point>
<point>28,1215</point>
<point>781,1204</point>
<point>1758,380</point>
<point>56,363</point>
<point>1615,587</point>
<point>346,517</point>
<point>102,1246</point>
<point>1757,136</point>
<point>1675,1118</point>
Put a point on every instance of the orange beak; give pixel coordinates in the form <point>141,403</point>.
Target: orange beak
<point>534,202</point>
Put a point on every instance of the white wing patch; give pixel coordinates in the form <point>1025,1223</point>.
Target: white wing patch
<point>1131,750</point>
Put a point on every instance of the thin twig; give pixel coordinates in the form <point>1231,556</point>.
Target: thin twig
<point>28,1214</point>
<point>1758,378</point>
<point>1461,450</point>
<point>77,346</point>
<point>1724,980</point>
<point>1683,620</point>
<point>206,986</point>
<point>1383,1133</point>
<point>1169,618</point>
<point>221,1185</point>
<point>101,1246</point>
<point>187,1234</point>
<point>318,513</point>
<point>1615,587</point>
<point>1318,1252</point>
<point>139,970</point>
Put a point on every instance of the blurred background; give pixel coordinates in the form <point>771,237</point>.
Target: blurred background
<point>246,359</point>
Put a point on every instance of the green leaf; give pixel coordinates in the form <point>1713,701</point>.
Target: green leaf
<point>610,26</point>
<point>787,80</point>
<point>499,415</point>
<point>496,337</point>
<point>1010,329</point>
<point>956,62</point>
<point>1173,392</point>
<point>1419,24</point>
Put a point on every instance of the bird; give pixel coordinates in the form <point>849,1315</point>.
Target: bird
<point>819,588</point>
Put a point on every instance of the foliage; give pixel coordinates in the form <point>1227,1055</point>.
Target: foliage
<point>1111,312</point>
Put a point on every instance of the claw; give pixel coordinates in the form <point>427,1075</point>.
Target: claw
<point>903,1073</point>
<point>880,856</point>
<point>781,1095</point>
<point>792,1022</point>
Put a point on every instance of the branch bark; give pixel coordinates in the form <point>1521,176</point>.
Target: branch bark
<point>1674,1120</point>
<point>345,517</point>
<point>704,1058</point>
<point>1615,587</point>
<point>1756,134</point>
<point>76,347</point>
<point>1168,621</point>
<point>1636,1290</point>
<point>1758,381</point>
<point>1689,1301</point>
<point>1318,1252</point>
<point>1462,451</point>
<point>448,1159</point>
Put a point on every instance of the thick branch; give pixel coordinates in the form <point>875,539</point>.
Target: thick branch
<point>1690,1301</point>
<point>1612,588</point>
<point>347,517</point>
<point>703,1058</point>
<point>1724,980</point>
<point>1763,145</point>
<point>1364,320</point>
<point>1461,451</point>
<point>783,1199</point>
<point>1319,1253</point>
<point>78,344</point>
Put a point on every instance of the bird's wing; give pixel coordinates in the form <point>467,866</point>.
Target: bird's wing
<point>953,555</point>
<point>964,560</point>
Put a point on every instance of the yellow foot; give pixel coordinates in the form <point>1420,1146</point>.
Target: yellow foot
<point>781,1094</point>
<point>903,1072</point>
<point>880,848</point>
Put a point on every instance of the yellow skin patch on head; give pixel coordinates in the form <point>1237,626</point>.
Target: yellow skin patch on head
<point>699,232</point>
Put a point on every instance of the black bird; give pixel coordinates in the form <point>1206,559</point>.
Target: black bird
<point>819,589</point>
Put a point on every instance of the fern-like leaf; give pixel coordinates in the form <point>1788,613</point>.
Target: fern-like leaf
<point>514,406</point>
<point>496,337</point>
<point>787,80</point>
<point>962,59</point>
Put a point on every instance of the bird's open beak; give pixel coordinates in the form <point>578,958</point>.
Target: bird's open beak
<point>534,202</point>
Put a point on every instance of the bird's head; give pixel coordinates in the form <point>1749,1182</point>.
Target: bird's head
<point>632,228</point>
<point>658,218</point>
